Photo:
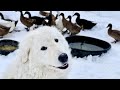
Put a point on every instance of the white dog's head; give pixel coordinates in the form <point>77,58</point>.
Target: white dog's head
<point>46,46</point>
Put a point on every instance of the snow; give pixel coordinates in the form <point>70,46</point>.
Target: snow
<point>91,67</point>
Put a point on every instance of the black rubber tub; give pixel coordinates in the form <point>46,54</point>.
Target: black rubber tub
<point>83,46</point>
<point>8,46</point>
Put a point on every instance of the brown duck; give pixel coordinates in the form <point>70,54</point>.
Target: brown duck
<point>28,22</point>
<point>113,33</point>
<point>39,20</point>
<point>72,28</point>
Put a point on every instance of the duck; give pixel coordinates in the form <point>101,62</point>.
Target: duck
<point>113,33</point>
<point>28,22</point>
<point>72,28</point>
<point>39,20</point>
<point>2,17</point>
<point>5,30</point>
<point>70,20</point>
<point>86,24</point>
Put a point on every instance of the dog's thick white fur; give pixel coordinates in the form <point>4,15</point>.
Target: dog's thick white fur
<point>34,63</point>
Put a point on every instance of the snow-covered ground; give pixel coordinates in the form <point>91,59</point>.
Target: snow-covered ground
<point>92,67</point>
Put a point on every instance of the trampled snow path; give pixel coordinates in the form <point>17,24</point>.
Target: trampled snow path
<point>106,66</point>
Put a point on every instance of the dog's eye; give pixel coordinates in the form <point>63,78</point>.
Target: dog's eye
<point>44,48</point>
<point>56,40</point>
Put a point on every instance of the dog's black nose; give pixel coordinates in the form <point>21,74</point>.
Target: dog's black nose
<point>63,58</point>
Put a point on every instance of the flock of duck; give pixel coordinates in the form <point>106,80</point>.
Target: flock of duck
<point>48,19</point>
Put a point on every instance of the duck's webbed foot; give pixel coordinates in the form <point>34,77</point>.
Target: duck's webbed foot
<point>27,29</point>
<point>115,41</point>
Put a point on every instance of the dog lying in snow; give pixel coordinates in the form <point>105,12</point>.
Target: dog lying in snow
<point>43,54</point>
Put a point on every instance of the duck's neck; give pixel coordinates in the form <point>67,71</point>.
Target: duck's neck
<point>63,16</point>
<point>29,15</point>
<point>2,17</point>
<point>56,16</point>
<point>21,14</point>
<point>51,12</point>
<point>78,16</point>
<point>109,30</point>
<point>69,19</point>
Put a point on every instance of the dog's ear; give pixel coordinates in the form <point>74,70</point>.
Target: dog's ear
<point>24,49</point>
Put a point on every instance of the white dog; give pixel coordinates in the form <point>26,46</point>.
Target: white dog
<point>44,54</point>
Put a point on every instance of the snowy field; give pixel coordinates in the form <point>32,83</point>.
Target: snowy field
<point>92,67</point>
